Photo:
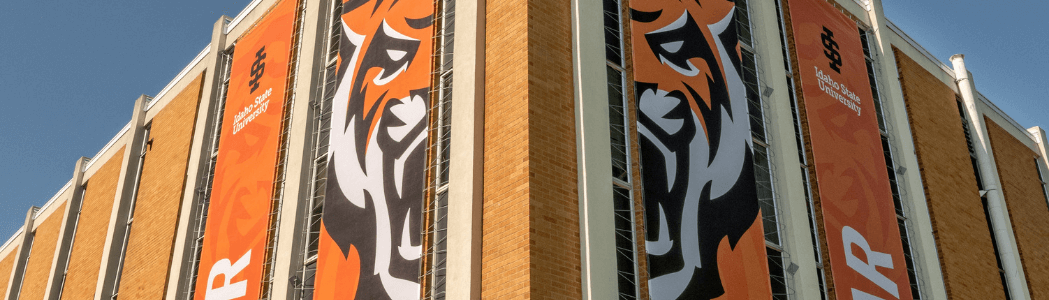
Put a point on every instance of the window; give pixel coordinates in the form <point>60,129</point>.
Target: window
<point>436,210</point>
<point>890,168</point>
<point>762,165</point>
<point>1041,179</point>
<point>207,178</point>
<point>320,111</point>
<point>622,183</point>
<point>130,212</point>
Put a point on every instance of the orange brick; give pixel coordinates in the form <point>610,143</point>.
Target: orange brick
<point>41,257</point>
<point>152,238</point>
<point>530,223</point>
<point>86,255</point>
<point>963,239</point>
<point>6,267</point>
<point>1026,201</point>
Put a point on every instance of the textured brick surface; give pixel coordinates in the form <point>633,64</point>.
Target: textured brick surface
<point>505,229</point>
<point>963,239</point>
<point>6,265</point>
<point>41,257</point>
<point>552,150</point>
<point>531,212</point>
<point>1027,205</point>
<point>159,197</point>
<point>96,210</point>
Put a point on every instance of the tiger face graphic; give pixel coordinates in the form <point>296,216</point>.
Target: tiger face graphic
<point>695,140</point>
<point>377,150</point>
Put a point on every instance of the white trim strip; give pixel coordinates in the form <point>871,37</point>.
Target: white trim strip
<point>999,111</point>
<point>53,199</point>
<point>11,239</point>
<point>179,77</point>
<point>913,43</point>
<point>241,15</point>
<point>113,141</point>
<point>866,4</point>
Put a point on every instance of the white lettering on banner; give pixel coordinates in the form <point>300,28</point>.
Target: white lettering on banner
<point>227,291</point>
<point>860,295</point>
<point>838,91</point>
<point>868,269</point>
<point>248,114</point>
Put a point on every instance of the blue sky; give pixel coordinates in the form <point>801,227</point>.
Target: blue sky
<point>69,73</point>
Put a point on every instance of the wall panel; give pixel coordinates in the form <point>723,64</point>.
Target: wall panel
<point>159,196</point>
<point>96,210</point>
<point>41,257</point>
<point>6,267</point>
<point>963,239</point>
<point>1026,201</point>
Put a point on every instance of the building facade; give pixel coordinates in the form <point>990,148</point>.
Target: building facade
<point>460,149</point>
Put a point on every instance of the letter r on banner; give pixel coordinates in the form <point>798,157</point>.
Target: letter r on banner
<point>868,269</point>
<point>227,291</point>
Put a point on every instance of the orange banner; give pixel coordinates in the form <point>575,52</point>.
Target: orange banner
<point>235,239</point>
<point>371,235</point>
<point>864,239</point>
<point>702,218</point>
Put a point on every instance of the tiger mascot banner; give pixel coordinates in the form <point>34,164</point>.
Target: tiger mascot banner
<point>370,232</point>
<point>863,237</point>
<point>702,220</point>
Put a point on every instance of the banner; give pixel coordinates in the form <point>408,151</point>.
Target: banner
<point>371,233</point>
<point>702,219</point>
<point>238,215</point>
<point>864,239</point>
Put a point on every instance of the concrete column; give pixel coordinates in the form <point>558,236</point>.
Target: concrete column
<point>298,163</point>
<point>66,234</point>
<point>788,175</point>
<point>1043,156</point>
<point>593,153</point>
<point>465,186</point>
<point>22,257</point>
<point>199,155</point>
<point>127,184</point>
<point>1002,227</point>
<point>1043,148</point>
<point>922,240</point>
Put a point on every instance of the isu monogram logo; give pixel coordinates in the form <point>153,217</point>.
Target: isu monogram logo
<point>257,69</point>
<point>696,145</point>
<point>377,155</point>
<point>831,49</point>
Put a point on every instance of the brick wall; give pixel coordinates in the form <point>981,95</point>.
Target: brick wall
<point>1027,205</point>
<point>530,222</point>
<point>41,257</point>
<point>554,211</point>
<point>96,210</point>
<point>963,239</point>
<point>6,267</point>
<point>159,197</point>
<point>505,242</point>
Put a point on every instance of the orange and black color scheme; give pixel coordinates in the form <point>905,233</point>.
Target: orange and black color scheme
<point>371,234</point>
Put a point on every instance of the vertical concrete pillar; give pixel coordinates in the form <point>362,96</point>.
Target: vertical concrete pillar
<point>22,257</point>
<point>66,234</point>
<point>922,241</point>
<point>1002,227</point>
<point>309,59</point>
<point>198,157</point>
<point>465,188</point>
<point>1043,148</point>
<point>593,153</point>
<point>125,196</point>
